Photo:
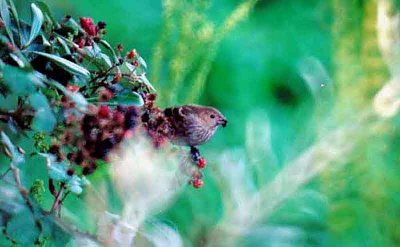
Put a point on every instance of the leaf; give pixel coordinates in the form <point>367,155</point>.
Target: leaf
<point>37,21</point>
<point>44,120</point>
<point>131,98</point>
<point>144,80</point>
<point>16,157</point>
<point>108,46</point>
<point>56,170</point>
<point>16,18</point>
<point>65,64</point>
<point>22,228</point>
<point>45,9</point>
<point>142,62</point>
<point>20,81</point>
<point>5,15</point>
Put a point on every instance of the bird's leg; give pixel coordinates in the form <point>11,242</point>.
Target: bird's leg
<point>195,153</point>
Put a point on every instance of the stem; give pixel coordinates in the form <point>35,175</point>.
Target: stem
<point>57,202</point>
<point>5,173</point>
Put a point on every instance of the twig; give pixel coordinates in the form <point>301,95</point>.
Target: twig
<point>5,173</point>
<point>56,203</point>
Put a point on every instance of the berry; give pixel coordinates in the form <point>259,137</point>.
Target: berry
<point>88,25</point>
<point>201,163</point>
<point>73,88</point>
<point>119,118</point>
<point>81,43</point>
<point>135,63</point>
<point>105,94</point>
<point>131,118</point>
<point>101,24</point>
<point>197,183</point>
<point>104,111</point>
<point>117,78</point>
<point>131,54</point>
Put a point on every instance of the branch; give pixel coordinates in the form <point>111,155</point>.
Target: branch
<point>57,200</point>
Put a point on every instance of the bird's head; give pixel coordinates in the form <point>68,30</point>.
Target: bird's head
<point>212,118</point>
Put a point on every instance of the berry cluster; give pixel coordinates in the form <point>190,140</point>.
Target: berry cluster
<point>91,136</point>
<point>200,163</point>
<point>92,32</point>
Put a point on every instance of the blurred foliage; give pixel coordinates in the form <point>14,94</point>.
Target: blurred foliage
<point>285,73</point>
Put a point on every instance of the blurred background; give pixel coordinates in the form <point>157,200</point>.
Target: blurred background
<point>305,159</point>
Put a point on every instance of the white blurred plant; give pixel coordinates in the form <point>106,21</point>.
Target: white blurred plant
<point>146,180</point>
<point>387,100</point>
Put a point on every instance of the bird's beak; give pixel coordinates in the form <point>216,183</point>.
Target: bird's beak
<point>223,122</point>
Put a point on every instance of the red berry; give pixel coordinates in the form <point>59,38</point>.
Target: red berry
<point>104,111</point>
<point>88,25</point>
<point>105,94</point>
<point>81,43</point>
<point>73,88</point>
<point>135,63</point>
<point>131,54</point>
<point>197,183</point>
<point>119,118</point>
<point>117,78</point>
<point>201,163</point>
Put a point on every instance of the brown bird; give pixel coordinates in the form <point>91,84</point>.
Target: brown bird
<point>193,125</point>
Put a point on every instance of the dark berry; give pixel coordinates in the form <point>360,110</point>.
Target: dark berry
<point>145,117</point>
<point>101,24</point>
<point>104,147</point>
<point>70,172</point>
<point>131,118</point>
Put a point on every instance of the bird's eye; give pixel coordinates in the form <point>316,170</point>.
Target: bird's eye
<point>212,116</point>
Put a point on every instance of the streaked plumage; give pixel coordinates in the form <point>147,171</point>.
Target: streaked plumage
<point>193,125</point>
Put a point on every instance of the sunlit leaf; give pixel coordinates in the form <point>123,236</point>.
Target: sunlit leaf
<point>65,64</point>
<point>16,157</point>
<point>37,21</point>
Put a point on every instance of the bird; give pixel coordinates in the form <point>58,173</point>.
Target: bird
<point>193,125</point>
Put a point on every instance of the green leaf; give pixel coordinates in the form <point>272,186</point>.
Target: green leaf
<point>44,120</point>
<point>46,10</point>
<point>37,21</point>
<point>131,98</point>
<point>65,64</point>
<point>108,46</point>
<point>22,228</point>
<point>20,81</point>
<point>5,15</point>
<point>144,80</point>
<point>16,18</point>
<point>16,157</point>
